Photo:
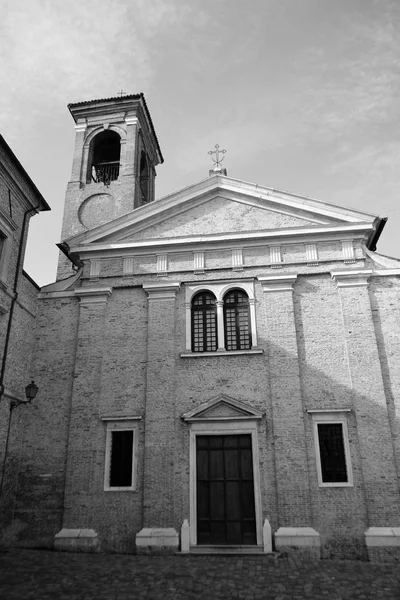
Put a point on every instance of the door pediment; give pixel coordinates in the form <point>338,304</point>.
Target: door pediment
<point>222,408</point>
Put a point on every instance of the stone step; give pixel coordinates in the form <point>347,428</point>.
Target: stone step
<point>227,550</point>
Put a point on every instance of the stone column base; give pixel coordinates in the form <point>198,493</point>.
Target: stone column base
<point>157,541</point>
<point>305,541</point>
<point>383,544</point>
<point>76,540</point>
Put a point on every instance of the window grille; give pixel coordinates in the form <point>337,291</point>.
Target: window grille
<point>332,453</point>
<point>204,323</point>
<point>237,321</point>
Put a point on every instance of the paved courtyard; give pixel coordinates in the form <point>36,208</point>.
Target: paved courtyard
<point>40,575</point>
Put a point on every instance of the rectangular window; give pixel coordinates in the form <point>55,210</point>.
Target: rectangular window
<point>332,451</point>
<point>332,454</point>
<point>120,467</point>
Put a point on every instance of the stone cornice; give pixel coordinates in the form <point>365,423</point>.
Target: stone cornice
<point>278,283</point>
<point>246,239</point>
<point>351,277</point>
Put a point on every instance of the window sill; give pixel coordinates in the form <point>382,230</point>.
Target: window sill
<point>335,485</point>
<point>221,353</point>
<point>120,489</point>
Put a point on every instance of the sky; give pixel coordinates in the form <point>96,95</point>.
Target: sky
<point>303,95</point>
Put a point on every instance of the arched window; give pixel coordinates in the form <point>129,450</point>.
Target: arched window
<point>104,157</point>
<point>237,320</point>
<point>144,179</point>
<point>204,323</point>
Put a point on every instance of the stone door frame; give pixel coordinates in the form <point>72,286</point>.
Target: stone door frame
<point>224,428</point>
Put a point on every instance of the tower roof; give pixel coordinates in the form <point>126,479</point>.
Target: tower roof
<point>103,106</point>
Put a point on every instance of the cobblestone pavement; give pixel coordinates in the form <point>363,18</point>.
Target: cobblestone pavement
<point>39,574</point>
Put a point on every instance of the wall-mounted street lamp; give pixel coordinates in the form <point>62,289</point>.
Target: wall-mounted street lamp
<point>30,392</point>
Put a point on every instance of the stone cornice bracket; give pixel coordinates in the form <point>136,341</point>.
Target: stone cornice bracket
<point>351,277</point>
<point>278,283</point>
<point>94,295</point>
<point>161,291</point>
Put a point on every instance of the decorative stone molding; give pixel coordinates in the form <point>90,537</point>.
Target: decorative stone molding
<point>95,266</point>
<point>127,266</point>
<point>132,121</point>
<point>92,295</point>
<point>348,251</point>
<point>198,262</point>
<point>351,277</point>
<point>161,291</point>
<point>222,408</point>
<point>275,256</point>
<point>278,283</point>
<point>80,127</point>
<point>162,264</point>
<point>312,254</point>
<point>237,259</point>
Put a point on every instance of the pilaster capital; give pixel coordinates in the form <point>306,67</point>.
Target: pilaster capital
<point>94,295</point>
<point>161,291</point>
<point>80,127</point>
<point>278,283</point>
<point>132,121</point>
<point>351,277</point>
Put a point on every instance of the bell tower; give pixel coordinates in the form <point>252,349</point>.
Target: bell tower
<point>113,169</point>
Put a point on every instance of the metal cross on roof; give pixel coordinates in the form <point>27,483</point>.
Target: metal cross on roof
<point>217,162</point>
<point>121,93</point>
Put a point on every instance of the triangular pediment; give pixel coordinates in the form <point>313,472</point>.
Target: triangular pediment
<point>222,408</point>
<point>220,206</point>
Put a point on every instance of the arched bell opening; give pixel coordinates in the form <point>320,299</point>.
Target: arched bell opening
<point>104,158</point>
<point>144,178</point>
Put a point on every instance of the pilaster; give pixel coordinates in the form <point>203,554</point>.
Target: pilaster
<point>80,487</point>
<point>158,499</point>
<point>294,503</point>
<point>377,459</point>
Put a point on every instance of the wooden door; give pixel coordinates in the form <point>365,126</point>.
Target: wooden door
<point>225,490</point>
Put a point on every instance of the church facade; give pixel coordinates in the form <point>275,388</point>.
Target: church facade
<point>218,368</point>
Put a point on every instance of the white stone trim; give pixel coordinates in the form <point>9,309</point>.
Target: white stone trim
<point>219,352</point>
<point>95,266</point>
<point>348,251</point>
<point>161,291</point>
<point>121,425</point>
<point>224,428</point>
<point>312,254</point>
<point>275,256</point>
<point>80,127</point>
<point>332,417</point>
<point>127,266</point>
<point>219,289</point>
<point>278,283</point>
<point>297,537</point>
<point>237,259</point>
<point>162,264</point>
<point>94,295</point>
<point>120,418</point>
<point>382,536</point>
<point>198,262</point>
<point>132,121</point>
<point>351,277</point>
